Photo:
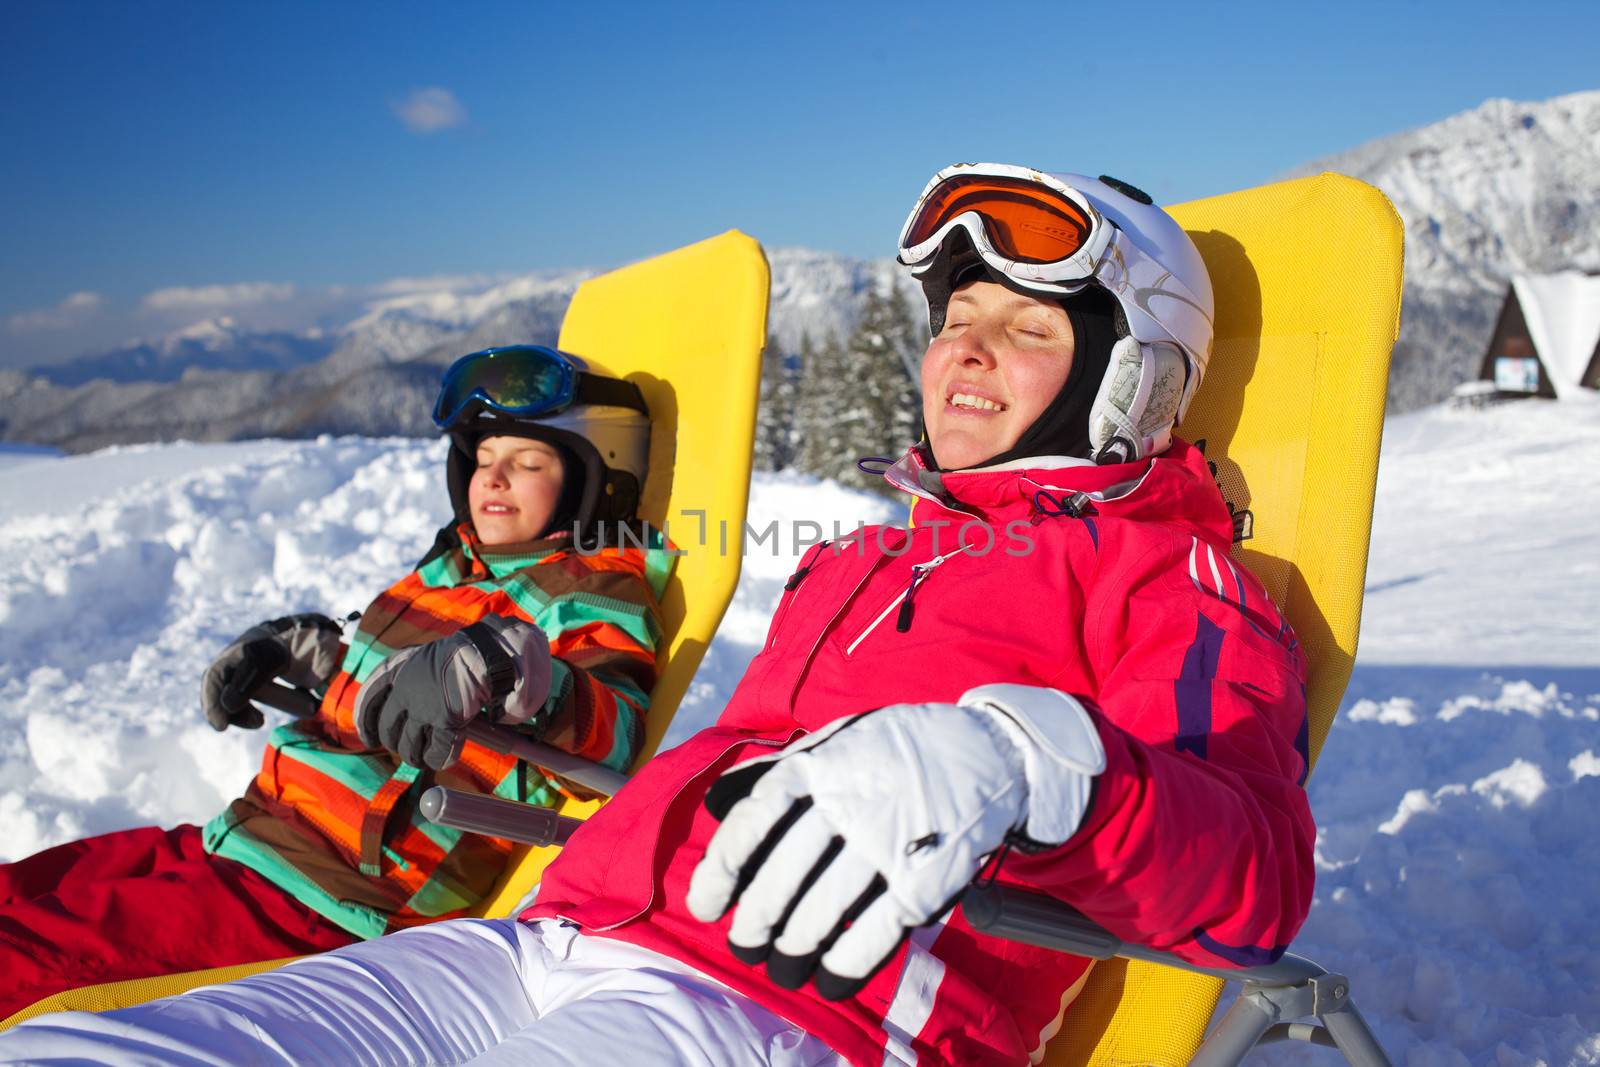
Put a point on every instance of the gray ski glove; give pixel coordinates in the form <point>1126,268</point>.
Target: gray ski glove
<point>419,701</point>
<point>301,649</point>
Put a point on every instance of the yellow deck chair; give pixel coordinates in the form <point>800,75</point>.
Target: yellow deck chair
<point>688,327</point>
<point>1307,275</point>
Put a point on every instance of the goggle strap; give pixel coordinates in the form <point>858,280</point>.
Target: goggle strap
<point>592,389</point>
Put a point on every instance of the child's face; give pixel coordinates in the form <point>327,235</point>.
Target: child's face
<point>514,490</point>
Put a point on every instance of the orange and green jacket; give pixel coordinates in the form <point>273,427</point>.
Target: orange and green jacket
<point>335,823</point>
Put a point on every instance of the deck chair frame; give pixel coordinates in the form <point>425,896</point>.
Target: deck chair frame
<point>1274,996</point>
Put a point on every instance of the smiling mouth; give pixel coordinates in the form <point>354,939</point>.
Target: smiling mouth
<point>496,508</point>
<point>972,402</point>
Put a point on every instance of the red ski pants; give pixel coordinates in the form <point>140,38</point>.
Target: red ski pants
<point>139,903</point>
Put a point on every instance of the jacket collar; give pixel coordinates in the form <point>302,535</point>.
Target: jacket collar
<point>497,561</point>
<point>1174,486</point>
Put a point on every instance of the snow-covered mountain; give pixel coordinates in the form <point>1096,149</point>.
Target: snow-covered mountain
<point>211,344</point>
<point>378,370</point>
<point>1508,187</point>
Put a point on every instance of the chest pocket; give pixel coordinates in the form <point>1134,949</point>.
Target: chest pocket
<point>825,580</point>
<point>791,589</point>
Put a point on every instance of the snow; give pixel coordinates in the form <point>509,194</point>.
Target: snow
<point>1484,549</point>
<point>1457,795</point>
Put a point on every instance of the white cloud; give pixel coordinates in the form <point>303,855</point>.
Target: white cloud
<point>84,301</point>
<point>429,110</point>
<point>450,282</point>
<point>205,298</point>
<point>65,315</point>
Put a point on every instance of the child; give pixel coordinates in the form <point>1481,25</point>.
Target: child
<point>326,845</point>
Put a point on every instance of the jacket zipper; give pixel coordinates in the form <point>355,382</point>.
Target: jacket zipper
<point>905,601</point>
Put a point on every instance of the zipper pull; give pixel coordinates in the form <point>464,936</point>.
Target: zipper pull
<point>902,621</point>
<point>800,575</point>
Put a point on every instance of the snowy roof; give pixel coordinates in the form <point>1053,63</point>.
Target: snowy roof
<point>1563,315</point>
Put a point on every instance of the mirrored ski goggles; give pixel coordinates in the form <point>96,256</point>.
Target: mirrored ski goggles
<point>1029,225</point>
<point>526,381</point>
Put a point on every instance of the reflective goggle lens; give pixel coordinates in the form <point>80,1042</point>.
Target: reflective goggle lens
<point>521,380</point>
<point>1026,222</point>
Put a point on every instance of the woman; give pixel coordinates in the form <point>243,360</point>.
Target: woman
<point>326,847</point>
<point>1084,717</point>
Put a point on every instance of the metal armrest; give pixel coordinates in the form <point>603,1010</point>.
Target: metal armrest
<point>480,814</point>
<point>1274,995</point>
<point>525,823</point>
<point>507,741</point>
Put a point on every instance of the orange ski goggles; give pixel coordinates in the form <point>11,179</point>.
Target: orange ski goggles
<point>1032,226</point>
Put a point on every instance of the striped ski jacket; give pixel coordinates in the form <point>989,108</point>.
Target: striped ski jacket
<point>1110,583</point>
<point>336,824</point>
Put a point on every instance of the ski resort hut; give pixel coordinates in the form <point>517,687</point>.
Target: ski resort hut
<point>1547,339</point>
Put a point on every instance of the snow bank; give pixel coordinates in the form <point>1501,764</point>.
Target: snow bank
<point>1457,865</point>
<point>1457,796</point>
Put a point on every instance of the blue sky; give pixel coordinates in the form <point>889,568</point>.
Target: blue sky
<point>166,147</point>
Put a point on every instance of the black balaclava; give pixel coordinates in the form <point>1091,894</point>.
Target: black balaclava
<point>571,491</point>
<point>1062,429</point>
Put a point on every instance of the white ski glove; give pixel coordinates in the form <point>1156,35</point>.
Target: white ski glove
<point>417,704</point>
<point>836,847</point>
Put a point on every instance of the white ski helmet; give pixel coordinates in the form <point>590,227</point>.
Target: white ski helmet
<point>1055,234</point>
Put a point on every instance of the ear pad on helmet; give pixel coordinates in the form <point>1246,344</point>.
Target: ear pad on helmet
<point>1137,403</point>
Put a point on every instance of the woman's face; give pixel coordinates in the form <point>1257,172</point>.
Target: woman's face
<point>999,361</point>
<point>514,490</point>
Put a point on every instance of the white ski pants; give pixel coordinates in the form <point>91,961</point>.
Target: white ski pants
<point>478,991</point>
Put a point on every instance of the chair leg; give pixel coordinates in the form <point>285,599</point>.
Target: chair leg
<point>1226,1046</point>
<point>1261,1011</point>
<point>1354,1037</point>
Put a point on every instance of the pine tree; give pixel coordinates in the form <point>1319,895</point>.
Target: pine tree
<point>775,420</point>
<point>858,399</point>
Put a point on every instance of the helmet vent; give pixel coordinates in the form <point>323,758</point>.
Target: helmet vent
<point>1129,191</point>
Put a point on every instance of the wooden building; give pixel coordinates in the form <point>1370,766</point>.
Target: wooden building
<point>1546,341</point>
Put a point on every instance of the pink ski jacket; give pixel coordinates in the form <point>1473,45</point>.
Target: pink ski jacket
<point>1198,839</point>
